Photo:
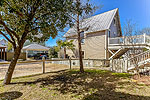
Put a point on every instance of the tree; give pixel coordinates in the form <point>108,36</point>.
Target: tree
<point>65,45</point>
<point>130,32</point>
<point>79,11</point>
<point>9,46</point>
<point>53,52</point>
<point>28,42</point>
<point>22,20</point>
<point>145,30</point>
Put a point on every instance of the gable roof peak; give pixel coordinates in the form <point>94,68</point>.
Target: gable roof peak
<point>95,23</point>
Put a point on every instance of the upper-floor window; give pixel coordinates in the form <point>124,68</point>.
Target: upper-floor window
<point>82,52</point>
<point>82,41</point>
<point>115,34</point>
<point>82,36</point>
<point>114,22</point>
<point>109,33</point>
<point>82,32</point>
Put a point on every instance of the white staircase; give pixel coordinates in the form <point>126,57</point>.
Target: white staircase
<point>119,53</point>
<point>140,62</point>
<point>120,45</point>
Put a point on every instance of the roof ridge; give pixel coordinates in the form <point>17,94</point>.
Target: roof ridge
<point>112,18</point>
<point>102,13</point>
<point>102,22</point>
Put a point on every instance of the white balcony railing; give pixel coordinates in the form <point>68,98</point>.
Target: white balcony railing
<point>125,40</point>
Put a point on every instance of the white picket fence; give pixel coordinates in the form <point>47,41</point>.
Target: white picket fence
<point>86,62</point>
<point>119,65</point>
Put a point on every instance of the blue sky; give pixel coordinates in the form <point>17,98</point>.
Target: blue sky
<point>136,10</point>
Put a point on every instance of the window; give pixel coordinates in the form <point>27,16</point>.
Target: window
<point>82,52</point>
<point>82,41</point>
<point>109,34</point>
<point>115,34</point>
<point>82,34</point>
<point>114,22</point>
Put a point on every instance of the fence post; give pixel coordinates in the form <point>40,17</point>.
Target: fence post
<point>70,62</point>
<point>127,65</point>
<point>43,65</point>
<point>111,64</point>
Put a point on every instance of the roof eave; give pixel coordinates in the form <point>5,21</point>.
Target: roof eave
<point>87,33</point>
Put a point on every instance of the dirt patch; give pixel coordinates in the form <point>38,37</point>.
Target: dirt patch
<point>142,79</point>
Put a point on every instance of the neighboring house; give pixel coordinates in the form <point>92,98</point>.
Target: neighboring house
<point>34,48</point>
<point>96,31</point>
<point>3,45</point>
<point>5,55</point>
<point>3,42</point>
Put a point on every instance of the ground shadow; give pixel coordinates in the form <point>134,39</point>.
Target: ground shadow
<point>10,95</point>
<point>112,95</point>
<point>91,85</point>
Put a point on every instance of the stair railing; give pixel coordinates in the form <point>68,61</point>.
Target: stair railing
<point>138,58</point>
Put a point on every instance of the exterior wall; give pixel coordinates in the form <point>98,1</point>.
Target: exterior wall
<point>10,56</point>
<point>96,44</point>
<point>114,27</point>
<point>93,46</point>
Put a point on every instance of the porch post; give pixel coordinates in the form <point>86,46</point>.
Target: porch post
<point>26,54</point>
<point>1,54</point>
<point>4,53</point>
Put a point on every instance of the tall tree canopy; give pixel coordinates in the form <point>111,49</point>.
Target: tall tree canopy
<point>35,20</point>
<point>80,10</point>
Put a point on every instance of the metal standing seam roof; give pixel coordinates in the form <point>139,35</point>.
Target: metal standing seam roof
<point>35,47</point>
<point>96,23</point>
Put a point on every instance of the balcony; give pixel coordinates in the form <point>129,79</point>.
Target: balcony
<point>129,40</point>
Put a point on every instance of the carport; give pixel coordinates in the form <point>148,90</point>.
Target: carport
<point>34,47</point>
<point>2,52</point>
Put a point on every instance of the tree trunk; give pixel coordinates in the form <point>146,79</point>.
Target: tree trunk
<point>12,65</point>
<point>64,52</point>
<point>79,45</point>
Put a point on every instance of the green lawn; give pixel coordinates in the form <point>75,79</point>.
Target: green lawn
<point>73,85</point>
